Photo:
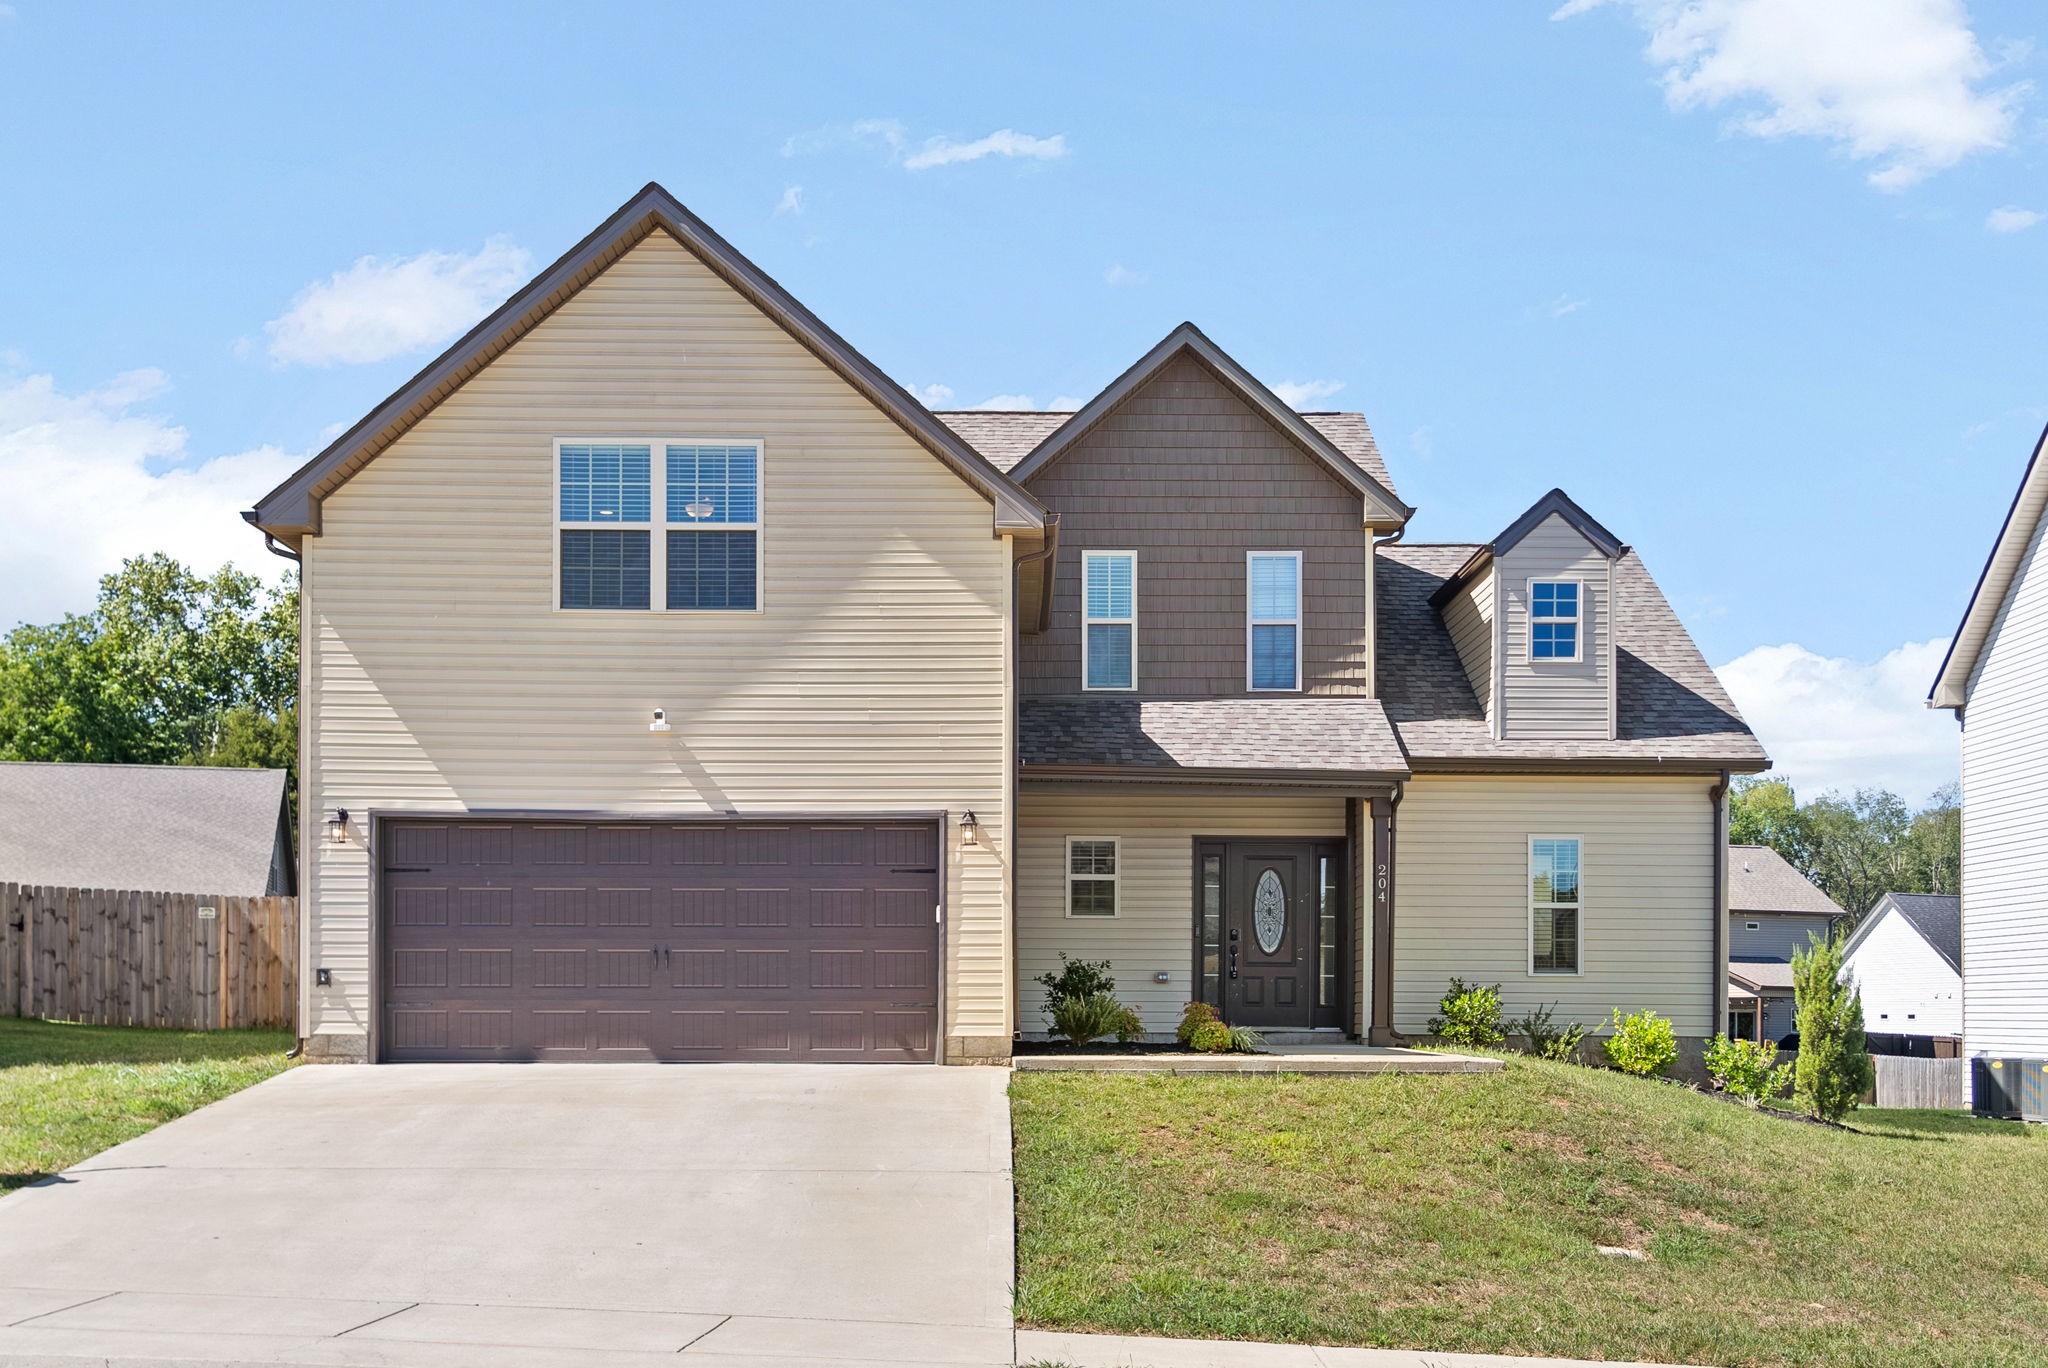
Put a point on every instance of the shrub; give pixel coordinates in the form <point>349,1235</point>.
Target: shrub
<point>1546,1039</point>
<point>1082,1019</point>
<point>1192,1017</point>
<point>1834,1069</point>
<point>1642,1044</point>
<point>1747,1069</point>
<point>1244,1040</point>
<point>1211,1037</point>
<point>1471,1016</point>
<point>1076,979</point>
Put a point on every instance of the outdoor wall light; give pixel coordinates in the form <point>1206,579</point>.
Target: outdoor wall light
<point>660,722</point>
<point>337,830</point>
<point>970,829</point>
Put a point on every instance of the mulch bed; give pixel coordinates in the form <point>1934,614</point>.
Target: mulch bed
<point>1100,1047</point>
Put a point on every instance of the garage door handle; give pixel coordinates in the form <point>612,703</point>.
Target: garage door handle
<point>408,869</point>
<point>917,869</point>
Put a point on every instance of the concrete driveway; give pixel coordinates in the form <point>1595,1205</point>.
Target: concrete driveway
<point>744,1215</point>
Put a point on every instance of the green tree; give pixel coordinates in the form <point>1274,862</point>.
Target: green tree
<point>1855,848</point>
<point>1833,1070</point>
<point>170,667</point>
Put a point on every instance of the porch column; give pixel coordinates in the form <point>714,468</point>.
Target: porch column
<point>1381,881</point>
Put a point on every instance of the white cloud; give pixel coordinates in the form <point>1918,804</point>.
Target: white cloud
<point>1297,393</point>
<point>1898,82</point>
<point>7,12</point>
<point>1835,723</point>
<point>792,201</point>
<point>387,306</point>
<point>1004,142</point>
<point>890,137</point>
<point>1121,274</point>
<point>2011,219</point>
<point>935,396</point>
<point>1566,304</point>
<point>93,480</point>
<point>1007,402</point>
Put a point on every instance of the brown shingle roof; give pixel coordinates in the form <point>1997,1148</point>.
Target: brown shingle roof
<point>1761,880</point>
<point>1007,436</point>
<point>1310,736</point>
<point>1671,704</point>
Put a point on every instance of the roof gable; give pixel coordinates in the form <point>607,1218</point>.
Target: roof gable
<point>1556,504</point>
<point>1381,507</point>
<point>1936,918</point>
<point>292,509</point>
<point>1994,584</point>
<point>1762,880</point>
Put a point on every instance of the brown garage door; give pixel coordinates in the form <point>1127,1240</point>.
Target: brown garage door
<point>559,940</point>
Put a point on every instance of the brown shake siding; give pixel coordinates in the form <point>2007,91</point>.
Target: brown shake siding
<point>1188,476</point>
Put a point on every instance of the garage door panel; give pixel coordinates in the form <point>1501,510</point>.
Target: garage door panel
<point>548,940</point>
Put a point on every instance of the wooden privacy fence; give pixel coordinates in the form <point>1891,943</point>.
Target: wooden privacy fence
<point>113,957</point>
<point>1903,1081</point>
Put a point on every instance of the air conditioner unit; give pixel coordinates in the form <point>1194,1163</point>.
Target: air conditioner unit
<point>2012,1089</point>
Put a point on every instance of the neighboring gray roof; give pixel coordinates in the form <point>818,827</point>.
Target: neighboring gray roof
<point>292,510</point>
<point>1769,976</point>
<point>1938,917</point>
<point>1762,880</point>
<point>155,828</point>
<point>1321,738</point>
<point>1007,436</point>
<point>1673,709</point>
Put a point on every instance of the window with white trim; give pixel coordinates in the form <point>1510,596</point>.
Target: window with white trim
<point>1273,619</point>
<point>1554,906</point>
<point>660,524</point>
<point>1109,629</point>
<point>1092,876</point>
<point>1554,619</point>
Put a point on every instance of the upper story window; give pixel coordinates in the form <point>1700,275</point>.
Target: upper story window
<point>1109,645</point>
<point>657,524</point>
<point>1554,905</point>
<point>1554,619</point>
<point>1273,619</point>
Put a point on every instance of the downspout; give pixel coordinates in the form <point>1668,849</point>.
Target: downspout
<point>1052,544</point>
<point>1044,553</point>
<point>1717,795</point>
<point>270,543</point>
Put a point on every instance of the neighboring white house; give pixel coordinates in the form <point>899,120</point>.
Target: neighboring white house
<point>1907,956</point>
<point>1996,680</point>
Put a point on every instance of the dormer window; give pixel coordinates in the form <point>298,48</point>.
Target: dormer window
<point>1554,619</point>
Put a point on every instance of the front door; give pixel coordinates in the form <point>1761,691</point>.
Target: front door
<point>1276,931</point>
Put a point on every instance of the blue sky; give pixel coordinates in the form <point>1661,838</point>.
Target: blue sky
<point>1756,285</point>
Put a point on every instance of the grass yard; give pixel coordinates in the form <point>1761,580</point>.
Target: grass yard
<point>68,1092</point>
<point>1461,1212</point>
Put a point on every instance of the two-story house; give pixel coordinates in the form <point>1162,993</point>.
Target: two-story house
<point>676,686</point>
<point>1773,912</point>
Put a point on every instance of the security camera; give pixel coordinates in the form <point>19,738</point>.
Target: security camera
<point>660,722</point>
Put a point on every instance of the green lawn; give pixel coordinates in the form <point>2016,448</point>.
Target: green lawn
<point>68,1092</point>
<point>1460,1212</point>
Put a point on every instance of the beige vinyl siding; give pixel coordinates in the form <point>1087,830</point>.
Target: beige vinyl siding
<point>1154,926</point>
<point>2005,826</point>
<point>1191,477</point>
<point>440,677</point>
<point>1555,698</point>
<point>1469,616</point>
<point>1462,895</point>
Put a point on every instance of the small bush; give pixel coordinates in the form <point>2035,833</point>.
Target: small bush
<point>1546,1039</point>
<point>1076,979</point>
<point>1747,1069</point>
<point>1470,1016</point>
<point>1082,1019</point>
<point>1244,1040</point>
<point>1642,1044</point>
<point>1211,1037</point>
<point>1192,1017</point>
<point>1834,1069</point>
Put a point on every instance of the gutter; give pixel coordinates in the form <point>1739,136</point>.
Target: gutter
<point>1717,795</point>
<point>270,543</point>
<point>1046,552</point>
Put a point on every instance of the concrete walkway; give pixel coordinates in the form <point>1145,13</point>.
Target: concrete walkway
<point>1131,1351</point>
<point>752,1215</point>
